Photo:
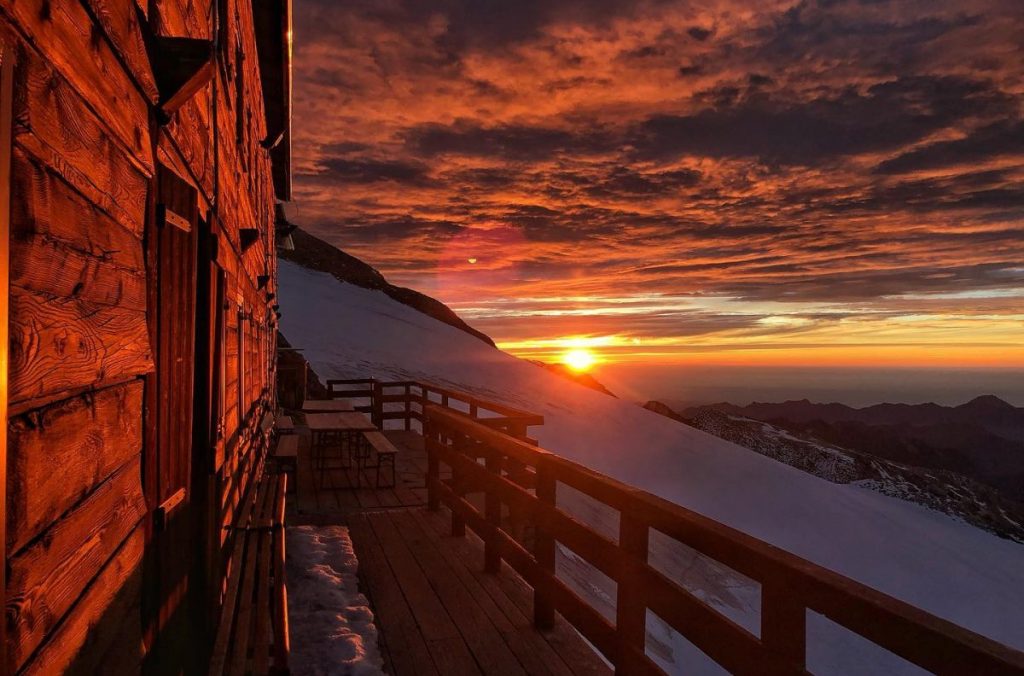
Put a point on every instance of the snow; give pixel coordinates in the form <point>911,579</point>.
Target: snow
<point>921,556</point>
<point>331,623</point>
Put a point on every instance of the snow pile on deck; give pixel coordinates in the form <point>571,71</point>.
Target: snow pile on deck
<point>332,628</point>
<point>920,556</point>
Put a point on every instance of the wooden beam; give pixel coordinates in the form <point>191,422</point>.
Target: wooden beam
<point>247,237</point>
<point>182,67</point>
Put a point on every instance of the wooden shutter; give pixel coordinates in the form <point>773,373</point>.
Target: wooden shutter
<point>177,217</point>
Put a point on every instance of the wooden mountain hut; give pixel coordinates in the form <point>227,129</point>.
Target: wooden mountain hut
<point>144,146</point>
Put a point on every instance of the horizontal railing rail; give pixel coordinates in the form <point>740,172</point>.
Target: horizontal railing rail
<point>524,478</point>
<point>404,400</point>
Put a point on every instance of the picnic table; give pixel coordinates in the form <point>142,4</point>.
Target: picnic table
<point>342,431</point>
<point>326,406</point>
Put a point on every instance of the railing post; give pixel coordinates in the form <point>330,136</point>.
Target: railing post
<point>784,625</point>
<point>630,610</point>
<point>544,552</point>
<point>377,404</point>
<point>474,411</point>
<point>408,407</point>
<point>492,511</point>
<point>431,437</point>
<point>459,441</point>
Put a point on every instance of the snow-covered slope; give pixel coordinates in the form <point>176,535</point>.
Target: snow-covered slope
<point>926,558</point>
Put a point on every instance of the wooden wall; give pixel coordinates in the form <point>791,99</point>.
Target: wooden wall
<point>87,144</point>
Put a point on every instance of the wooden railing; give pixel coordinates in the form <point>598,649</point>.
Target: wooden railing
<point>525,479</point>
<point>405,400</point>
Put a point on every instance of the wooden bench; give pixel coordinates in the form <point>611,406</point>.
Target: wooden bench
<point>284,425</point>
<point>285,454</point>
<point>252,637</point>
<point>384,452</point>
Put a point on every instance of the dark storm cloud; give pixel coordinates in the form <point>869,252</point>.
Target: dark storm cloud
<point>1000,139</point>
<point>398,228</point>
<point>812,27</point>
<point>624,182</point>
<point>356,170</point>
<point>989,191</point>
<point>510,142</point>
<point>699,34</point>
<point>851,286</point>
<point>779,130</point>
<point>494,23</point>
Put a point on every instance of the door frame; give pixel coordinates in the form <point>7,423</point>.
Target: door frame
<point>167,478</point>
<point>6,139</point>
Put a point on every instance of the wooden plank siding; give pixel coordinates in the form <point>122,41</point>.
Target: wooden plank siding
<point>88,589</point>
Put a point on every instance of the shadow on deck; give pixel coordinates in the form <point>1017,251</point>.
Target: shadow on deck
<point>436,610</point>
<point>439,613</point>
<point>339,493</point>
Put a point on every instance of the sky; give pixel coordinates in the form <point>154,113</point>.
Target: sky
<point>815,183</point>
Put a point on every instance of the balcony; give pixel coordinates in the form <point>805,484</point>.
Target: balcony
<point>465,560</point>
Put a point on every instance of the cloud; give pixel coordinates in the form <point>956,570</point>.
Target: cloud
<point>514,142</point>
<point>857,154</point>
<point>999,139</point>
<point>699,34</point>
<point>781,130</point>
<point>359,170</point>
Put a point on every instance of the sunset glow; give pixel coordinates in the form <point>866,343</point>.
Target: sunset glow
<point>579,359</point>
<point>728,183</point>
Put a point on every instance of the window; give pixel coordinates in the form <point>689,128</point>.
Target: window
<point>243,407</point>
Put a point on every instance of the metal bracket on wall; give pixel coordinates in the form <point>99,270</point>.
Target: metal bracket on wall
<point>162,513</point>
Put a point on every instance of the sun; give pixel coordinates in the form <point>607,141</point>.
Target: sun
<point>579,359</point>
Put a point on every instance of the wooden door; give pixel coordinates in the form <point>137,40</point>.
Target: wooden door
<point>208,429</point>
<point>172,242</point>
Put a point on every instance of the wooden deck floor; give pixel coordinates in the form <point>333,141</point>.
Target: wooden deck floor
<point>435,609</point>
<point>338,493</point>
<point>437,612</point>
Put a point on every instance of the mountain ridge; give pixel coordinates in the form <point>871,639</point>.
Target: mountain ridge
<point>955,467</point>
<point>313,253</point>
<point>998,416</point>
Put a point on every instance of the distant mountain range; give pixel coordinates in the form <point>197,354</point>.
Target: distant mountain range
<point>988,412</point>
<point>966,460</point>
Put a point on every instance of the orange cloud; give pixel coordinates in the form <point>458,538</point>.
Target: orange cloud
<point>820,182</point>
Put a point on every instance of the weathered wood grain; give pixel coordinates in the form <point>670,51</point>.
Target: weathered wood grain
<point>91,628</point>
<point>56,125</point>
<point>53,269</point>
<point>121,23</point>
<point>183,17</point>
<point>407,652</point>
<point>47,577</point>
<point>64,32</point>
<point>191,135</point>
<point>60,344</point>
<point>60,453</point>
<point>48,207</point>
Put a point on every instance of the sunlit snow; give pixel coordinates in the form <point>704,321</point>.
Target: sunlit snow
<point>921,556</point>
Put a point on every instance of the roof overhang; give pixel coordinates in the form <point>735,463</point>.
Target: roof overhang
<point>273,23</point>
